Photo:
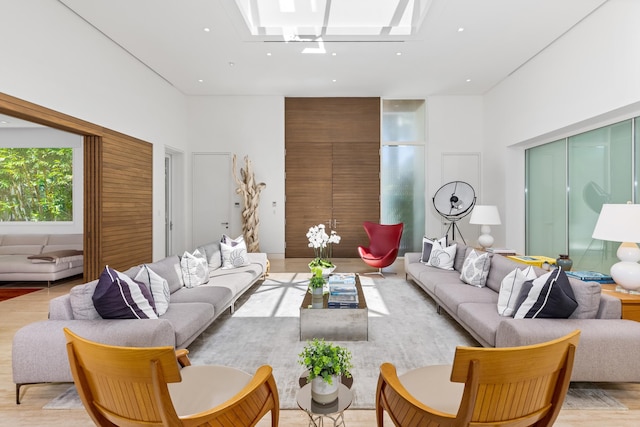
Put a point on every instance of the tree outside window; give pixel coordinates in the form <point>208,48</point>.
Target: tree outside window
<point>36,184</point>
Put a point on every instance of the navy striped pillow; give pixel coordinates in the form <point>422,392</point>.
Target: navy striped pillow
<point>117,296</point>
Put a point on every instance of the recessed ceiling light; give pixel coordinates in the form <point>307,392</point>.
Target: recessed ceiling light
<point>468,80</point>
<point>399,53</point>
<point>334,80</point>
<point>200,81</point>
<point>231,63</point>
<point>333,54</point>
<point>268,53</point>
<point>206,29</point>
<point>460,29</point>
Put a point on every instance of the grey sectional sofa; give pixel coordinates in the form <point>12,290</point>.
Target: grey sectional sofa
<point>39,353</point>
<point>18,253</point>
<point>608,344</point>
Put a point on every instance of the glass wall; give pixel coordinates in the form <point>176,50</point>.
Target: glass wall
<point>402,177</point>
<point>568,181</point>
<point>546,199</point>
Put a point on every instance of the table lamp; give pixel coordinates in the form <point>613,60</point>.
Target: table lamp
<point>621,223</point>
<point>485,215</point>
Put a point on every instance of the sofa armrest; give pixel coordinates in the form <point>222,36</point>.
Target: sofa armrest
<point>60,308</point>
<point>39,349</point>
<point>602,353</point>
<point>610,307</point>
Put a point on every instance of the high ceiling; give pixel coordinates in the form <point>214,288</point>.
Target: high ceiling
<point>498,37</point>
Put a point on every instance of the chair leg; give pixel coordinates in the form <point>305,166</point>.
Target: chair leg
<point>381,273</point>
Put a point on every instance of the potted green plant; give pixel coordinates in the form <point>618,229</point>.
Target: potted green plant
<point>326,363</point>
<point>316,286</point>
<point>322,244</point>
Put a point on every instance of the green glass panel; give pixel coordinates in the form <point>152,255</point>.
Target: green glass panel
<point>546,199</point>
<point>403,120</point>
<point>600,171</point>
<point>403,191</point>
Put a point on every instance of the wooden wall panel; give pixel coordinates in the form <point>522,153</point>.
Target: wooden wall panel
<point>118,188</point>
<point>332,167</point>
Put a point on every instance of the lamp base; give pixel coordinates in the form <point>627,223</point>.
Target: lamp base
<point>626,274</point>
<point>486,239</point>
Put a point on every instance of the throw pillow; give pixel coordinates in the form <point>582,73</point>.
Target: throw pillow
<point>442,257</point>
<point>476,269</point>
<point>510,289</point>
<point>118,296</point>
<point>234,252</point>
<point>548,296</point>
<point>158,286</point>
<point>427,245</point>
<point>195,269</point>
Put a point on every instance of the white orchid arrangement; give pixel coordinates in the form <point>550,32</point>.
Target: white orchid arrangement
<point>322,244</point>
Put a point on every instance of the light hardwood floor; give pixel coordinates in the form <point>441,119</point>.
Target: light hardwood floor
<point>20,311</point>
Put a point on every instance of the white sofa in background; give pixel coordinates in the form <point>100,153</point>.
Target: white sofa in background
<point>40,257</point>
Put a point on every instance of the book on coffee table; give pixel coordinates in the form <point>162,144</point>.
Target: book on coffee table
<point>342,301</point>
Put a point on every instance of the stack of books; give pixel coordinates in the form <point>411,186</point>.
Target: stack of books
<point>591,276</point>
<point>342,291</point>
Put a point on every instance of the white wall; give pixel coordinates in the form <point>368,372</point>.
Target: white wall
<point>454,130</point>
<point>586,79</point>
<point>58,61</point>
<point>245,125</point>
<point>44,138</point>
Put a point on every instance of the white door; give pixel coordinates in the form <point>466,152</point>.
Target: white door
<point>211,196</point>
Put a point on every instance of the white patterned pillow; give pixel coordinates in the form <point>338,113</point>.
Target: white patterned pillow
<point>510,289</point>
<point>159,288</point>
<point>195,269</point>
<point>234,252</point>
<point>442,257</point>
<point>427,245</point>
<point>476,269</point>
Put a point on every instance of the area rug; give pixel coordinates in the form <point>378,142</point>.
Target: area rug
<point>8,293</point>
<point>404,328</point>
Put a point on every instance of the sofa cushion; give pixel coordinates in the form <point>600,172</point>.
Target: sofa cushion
<point>169,268</point>
<point>430,277</point>
<point>157,285</point>
<point>588,295</point>
<point>500,267</point>
<point>427,245</point>
<point>462,251</point>
<point>482,319</point>
<point>213,253</point>
<point>118,296</point>
<point>510,289</point>
<point>454,294</point>
<point>189,320</point>
<point>195,269</point>
<point>442,257</point>
<point>234,252</point>
<point>20,249</point>
<point>548,296</point>
<point>220,297</point>
<point>80,298</point>
<point>475,269</point>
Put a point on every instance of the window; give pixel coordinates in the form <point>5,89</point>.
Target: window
<point>402,177</point>
<point>36,184</point>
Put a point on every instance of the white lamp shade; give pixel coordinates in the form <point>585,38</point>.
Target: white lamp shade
<point>618,223</point>
<point>485,215</point>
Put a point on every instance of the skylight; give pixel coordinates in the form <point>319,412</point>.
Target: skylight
<point>333,20</point>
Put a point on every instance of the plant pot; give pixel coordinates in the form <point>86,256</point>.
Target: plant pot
<point>565,262</point>
<point>327,271</point>
<point>323,392</point>
<point>317,300</point>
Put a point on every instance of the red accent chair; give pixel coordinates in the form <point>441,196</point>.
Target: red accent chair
<point>384,243</point>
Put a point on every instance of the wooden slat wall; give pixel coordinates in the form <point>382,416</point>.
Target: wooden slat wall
<point>332,169</point>
<point>127,199</point>
<point>118,189</point>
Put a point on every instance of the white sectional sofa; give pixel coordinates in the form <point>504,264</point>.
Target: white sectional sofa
<point>40,257</point>
<point>39,353</point>
<point>607,342</point>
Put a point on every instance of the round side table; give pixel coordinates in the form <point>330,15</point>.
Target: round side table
<point>318,412</point>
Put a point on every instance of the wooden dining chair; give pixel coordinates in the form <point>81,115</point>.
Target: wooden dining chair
<point>509,387</point>
<point>136,386</point>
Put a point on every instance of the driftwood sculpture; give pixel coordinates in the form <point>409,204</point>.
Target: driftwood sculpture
<point>250,192</point>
